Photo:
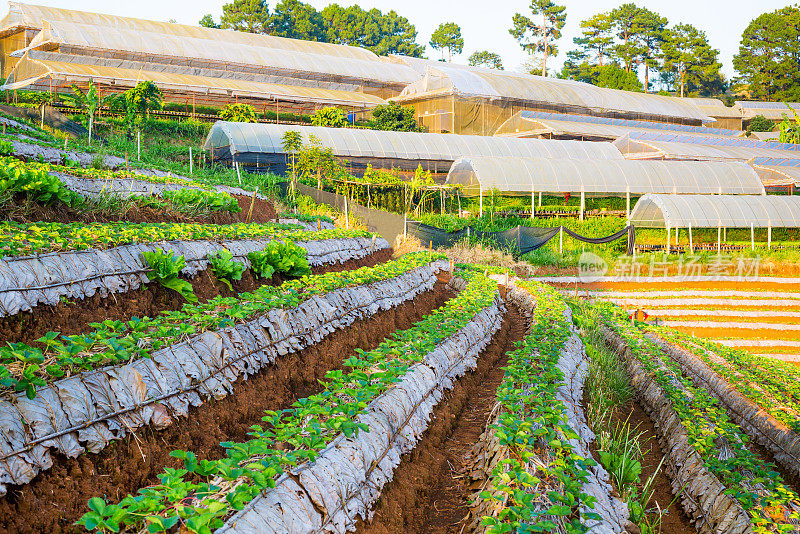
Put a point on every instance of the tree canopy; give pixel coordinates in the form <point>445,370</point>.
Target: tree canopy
<point>540,35</point>
<point>484,58</point>
<point>382,33</point>
<point>690,64</point>
<point>768,55</point>
<point>609,75</point>
<point>448,36</point>
<point>394,117</point>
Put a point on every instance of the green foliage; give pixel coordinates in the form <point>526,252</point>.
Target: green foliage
<point>484,58</point>
<point>90,101</point>
<point>610,75</point>
<point>790,128</point>
<point>238,113</point>
<point>243,15</point>
<point>596,38</point>
<point>207,21</point>
<point>283,256</point>
<point>165,268</point>
<point>767,58</point>
<point>760,123</point>
<point>330,116</point>
<point>137,101</point>
<point>448,36</point>
<point>384,34</point>
<point>35,181</point>
<point>260,264</point>
<point>690,63</point>
<point>394,117</point>
<point>535,36</point>
<point>224,268</point>
<point>318,162</point>
<point>6,147</point>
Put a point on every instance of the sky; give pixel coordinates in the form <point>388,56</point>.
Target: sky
<point>484,23</point>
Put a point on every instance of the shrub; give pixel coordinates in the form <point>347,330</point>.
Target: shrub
<point>329,116</point>
<point>238,113</point>
<point>760,123</point>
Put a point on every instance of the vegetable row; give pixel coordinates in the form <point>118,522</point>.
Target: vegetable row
<point>157,368</point>
<point>45,279</point>
<point>334,449</point>
<point>540,486</point>
<point>692,424</point>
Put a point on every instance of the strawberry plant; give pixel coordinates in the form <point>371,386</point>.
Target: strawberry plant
<point>201,494</point>
<point>165,268</point>
<point>225,269</point>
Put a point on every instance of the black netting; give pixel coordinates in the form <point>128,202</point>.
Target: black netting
<point>522,239</point>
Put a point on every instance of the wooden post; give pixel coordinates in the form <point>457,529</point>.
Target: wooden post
<point>480,203</point>
<point>238,173</point>
<point>346,215</point>
<point>405,227</point>
<point>561,241</point>
<point>139,145</point>
<point>191,167</point>
<point>583,202</point>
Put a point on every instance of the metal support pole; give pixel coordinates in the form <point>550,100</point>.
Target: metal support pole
<point>405,227</point>
<point>191,166</point>
<point>139,146</point>
<point>667,239</point>
<point>769,236</point>
<point>540,199</point>
<point>583,202</point>
<point>628,204</point>
<point>691,244</point>
<point>480,203</point>
<point>533,204</point>
<point>238,173</point>
<point>752,237</point>
<point>719,238</point>
<point>561,241</point>
<point>346,215</point>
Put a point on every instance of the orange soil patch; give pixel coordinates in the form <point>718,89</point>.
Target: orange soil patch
<point>740,333</point>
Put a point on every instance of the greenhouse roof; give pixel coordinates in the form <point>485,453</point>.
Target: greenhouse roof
<point>638,145</point>
<point>714,107</point>
<point>186,50</point>
<point>713,211</point>
<point>770,110</point>
<point>493,84</point>
<point>777,175</point>
<point>29,71</point>
<point>25,16</point>
<point>523,121</point>
<point>240,138</point>
<point>602,177</point>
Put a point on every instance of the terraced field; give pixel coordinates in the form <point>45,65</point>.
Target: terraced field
<point>761,317</point>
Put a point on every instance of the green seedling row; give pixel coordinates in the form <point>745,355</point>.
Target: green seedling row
<point>202,493</point>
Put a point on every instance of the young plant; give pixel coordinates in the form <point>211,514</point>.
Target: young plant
<point>225,269</point>
<point>288,258</point>
<point>260,265</point>
<point>164,269</point>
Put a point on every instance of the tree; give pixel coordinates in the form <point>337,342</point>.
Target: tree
<point>760,123</point>
<point>395,117</point>
<point>89,100</point>
<point>250,16</point>
<point>292,142</point>
<point>690,62</point>
<point>768,55</point>
<point>294,19</point>
<point>484,58</point>
<point>382,33</point>
<point>329,116</point>
<point>208,22</point>
<point>238,113</point>
<point>625,21</point>
<point>535,37</point>
<point>652,27</point>
<point>448,35</point>
<point>609,75</point>
<point>138,101</point>
<point>597,36</point>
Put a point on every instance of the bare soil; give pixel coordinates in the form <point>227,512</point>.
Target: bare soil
<point>74,316</point>
<point>428,493</point>
<point>57,498</point>
<point>22,210</point>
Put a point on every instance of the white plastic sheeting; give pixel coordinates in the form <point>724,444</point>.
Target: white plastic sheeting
<point>492,83</point>
<point>346,479</point>
<point>602,177</point>
<point>713,211</point>
<point>86,411</point>
<point>239,138</point>
<point>26,282</point>
<point>203,52</point>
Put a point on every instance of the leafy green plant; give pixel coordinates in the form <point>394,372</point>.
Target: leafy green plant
<point>285,257</point>
<point>238,113</point>
<point>6,147</point>
<point>165,268</point>
<point>225,269</point>
<point>33,180</point>
<point>260,264</point>
<point>330,116</point>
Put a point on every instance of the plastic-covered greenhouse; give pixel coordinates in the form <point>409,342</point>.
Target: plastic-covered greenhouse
<point>46,74</point>
<point>471,100</point>
<point>716,211</point>
<point>523,176</point>
<point>530,123</point>
<point>645,146</point>
<point>771,110</point>
<point>261,144</point>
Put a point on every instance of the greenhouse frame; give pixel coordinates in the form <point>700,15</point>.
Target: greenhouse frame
<point>262,145</point>
<point>716,211</point>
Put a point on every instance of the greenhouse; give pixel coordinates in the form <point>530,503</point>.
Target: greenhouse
<point>195,55</point>
<point>716,211</point>
<point>640,145</point>
<point>773,111</point>
<point>262,145</point>
<point>535,123</point>
<point>524,176</point>
<point>48,75</point>
<point>725,117</point>
<point>470,100</point>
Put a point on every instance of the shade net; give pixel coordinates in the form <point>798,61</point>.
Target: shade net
<point>519,240</point>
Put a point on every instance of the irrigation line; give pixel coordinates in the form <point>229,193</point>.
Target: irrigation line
<point>147,402</point>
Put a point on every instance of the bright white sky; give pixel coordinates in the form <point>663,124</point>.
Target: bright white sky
<point>484,23</point>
